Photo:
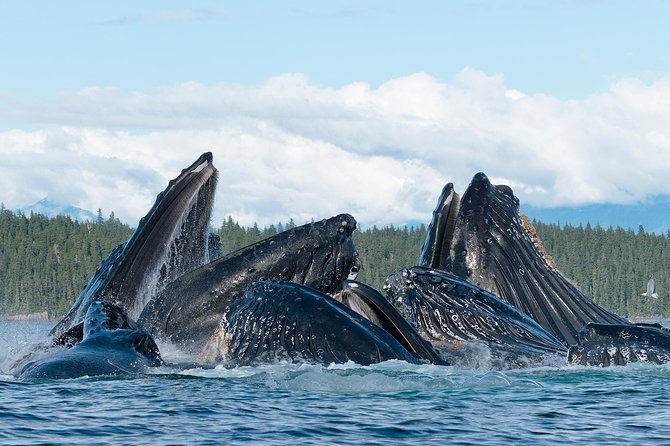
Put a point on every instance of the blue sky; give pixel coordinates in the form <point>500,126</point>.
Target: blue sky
<point>565,48</point>
<point>372,104</point>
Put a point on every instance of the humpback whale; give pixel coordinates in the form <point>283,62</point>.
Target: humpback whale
<point>484,241</point>
<point>169,241</point>
<point>483,238</point>
<point>111,345</point>
<point>282,320</point>
<point>481,280</point>
<point>157,274</point>
<point>455,316</point>
<point>188,312</point>
<point>618,344</point>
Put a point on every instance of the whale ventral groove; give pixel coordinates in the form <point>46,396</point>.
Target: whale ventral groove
<point>491,248</point>
<point>283,320</point>
<point>449,311</point>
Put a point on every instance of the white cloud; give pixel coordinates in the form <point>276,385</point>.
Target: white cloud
<point>291,149</point>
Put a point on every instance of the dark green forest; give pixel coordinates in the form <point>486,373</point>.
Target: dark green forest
<point>45,263</point>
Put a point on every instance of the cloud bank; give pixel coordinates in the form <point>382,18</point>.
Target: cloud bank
<point>292,149</point>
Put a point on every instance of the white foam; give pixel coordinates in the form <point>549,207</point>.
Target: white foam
<point>388,376</point>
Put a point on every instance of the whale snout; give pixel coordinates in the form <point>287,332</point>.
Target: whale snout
<point>346,224</point>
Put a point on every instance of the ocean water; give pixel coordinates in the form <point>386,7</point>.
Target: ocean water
<point>389,403</point>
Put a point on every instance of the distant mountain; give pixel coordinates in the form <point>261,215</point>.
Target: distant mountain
<point>52,209</point>
<point>653,216</point>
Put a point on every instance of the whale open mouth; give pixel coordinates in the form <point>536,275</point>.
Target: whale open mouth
<point>319,255</point>
<point>169,241</point>
<point>482,238</point>
<point>370,304</point>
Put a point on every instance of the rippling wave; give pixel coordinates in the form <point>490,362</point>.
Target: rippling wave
<point>393,402</point>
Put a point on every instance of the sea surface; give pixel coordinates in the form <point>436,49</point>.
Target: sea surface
<point>285,404</point>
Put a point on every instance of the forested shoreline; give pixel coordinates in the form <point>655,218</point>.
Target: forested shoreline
<point>45,263</point>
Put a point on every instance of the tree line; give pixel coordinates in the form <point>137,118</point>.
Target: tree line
<point>613,265</point>
<point>45,262</point>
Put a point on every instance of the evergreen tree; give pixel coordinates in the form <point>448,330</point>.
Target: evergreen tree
<point>45,263</point>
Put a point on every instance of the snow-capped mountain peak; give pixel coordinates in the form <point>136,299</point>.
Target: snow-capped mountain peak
<point>52,209</point>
